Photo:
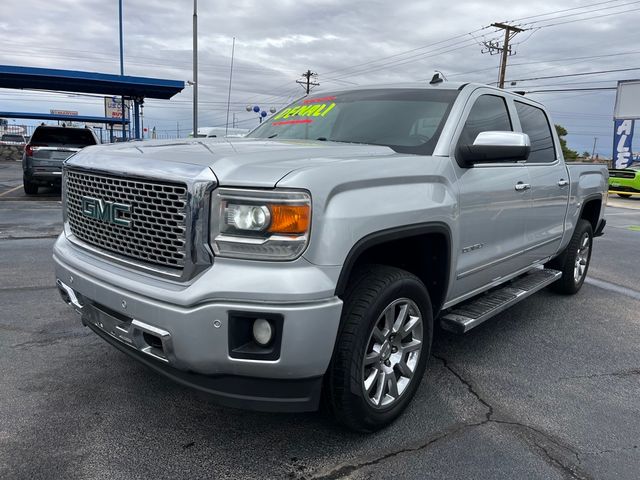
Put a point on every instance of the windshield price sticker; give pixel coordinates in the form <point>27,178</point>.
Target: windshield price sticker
<point>311,107</point>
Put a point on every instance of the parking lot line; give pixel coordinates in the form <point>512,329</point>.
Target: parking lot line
<point>10,190</point>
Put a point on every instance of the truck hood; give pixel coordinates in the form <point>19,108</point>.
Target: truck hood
<point>235,162</point>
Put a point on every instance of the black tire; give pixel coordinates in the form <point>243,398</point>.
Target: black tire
<point>566,262</point>
<point>372,290</point>
<point>624,195</point>
<point>30,188</point>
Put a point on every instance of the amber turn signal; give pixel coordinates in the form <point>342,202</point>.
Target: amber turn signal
<point>289,218</point>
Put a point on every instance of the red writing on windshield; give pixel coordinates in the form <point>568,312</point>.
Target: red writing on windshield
<point>318,100</point>
<point>291,122</point>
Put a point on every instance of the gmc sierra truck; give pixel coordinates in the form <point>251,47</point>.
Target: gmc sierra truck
<point>311,259</point>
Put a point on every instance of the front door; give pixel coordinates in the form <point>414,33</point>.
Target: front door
<point>493,205</point>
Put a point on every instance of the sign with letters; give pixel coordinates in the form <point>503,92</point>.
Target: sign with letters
<point>623,143</point>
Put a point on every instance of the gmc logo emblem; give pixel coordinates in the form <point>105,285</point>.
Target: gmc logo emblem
<point>108,212</point>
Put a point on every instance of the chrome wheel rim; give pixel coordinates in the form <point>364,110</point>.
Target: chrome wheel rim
<point>582,258</point>
<point>392,353</point>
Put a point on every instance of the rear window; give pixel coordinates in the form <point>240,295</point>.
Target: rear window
<point>63,136</point>
<point>12,138</point>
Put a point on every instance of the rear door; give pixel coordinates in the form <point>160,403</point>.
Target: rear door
<point>549,185</point>
<point>492,211</point>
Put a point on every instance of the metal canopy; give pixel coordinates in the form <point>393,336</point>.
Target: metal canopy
<point>31,78</point>
<point>70,118</point>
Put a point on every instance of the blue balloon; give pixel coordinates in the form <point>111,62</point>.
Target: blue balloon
<point>263,113</point>
<point>256,109</point>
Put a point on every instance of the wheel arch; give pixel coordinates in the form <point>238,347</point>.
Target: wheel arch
<point>422,249</point>
<point>590,211</point>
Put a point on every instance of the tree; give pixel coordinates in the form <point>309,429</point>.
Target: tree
<point>566,151</point>
<point>586,154</point>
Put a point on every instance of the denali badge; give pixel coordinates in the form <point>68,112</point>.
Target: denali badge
<point>105,211</point>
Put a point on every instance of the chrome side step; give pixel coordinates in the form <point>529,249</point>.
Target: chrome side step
<point>473,312</point>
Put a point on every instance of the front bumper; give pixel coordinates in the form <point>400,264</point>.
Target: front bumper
<point>189,341</point>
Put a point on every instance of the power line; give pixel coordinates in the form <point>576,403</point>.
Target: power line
<point>571,89</point>
<point>440,51</point>
<point>590,57</point>
<point>405,52</point>
<point>582,7</point>
<point>587,18</point>
<point>599,72</point>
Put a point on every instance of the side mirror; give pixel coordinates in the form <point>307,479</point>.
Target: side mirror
<point>490,147</point>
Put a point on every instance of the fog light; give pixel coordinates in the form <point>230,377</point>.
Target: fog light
<point>262,332</point>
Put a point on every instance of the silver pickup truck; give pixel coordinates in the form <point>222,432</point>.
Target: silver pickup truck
<point>312,259</point>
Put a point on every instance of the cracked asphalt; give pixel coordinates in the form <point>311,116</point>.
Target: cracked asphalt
<point>547,390</point>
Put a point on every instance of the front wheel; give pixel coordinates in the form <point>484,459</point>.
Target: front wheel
<point>382,348</point>
<point>574,261</point>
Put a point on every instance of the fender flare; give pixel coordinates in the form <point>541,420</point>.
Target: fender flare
<point>391,234</point>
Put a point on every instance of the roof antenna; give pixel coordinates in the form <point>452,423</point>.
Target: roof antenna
<point>438,77</point>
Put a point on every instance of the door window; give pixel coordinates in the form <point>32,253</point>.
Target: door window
<point>534,123</point>
<point>489,113</point>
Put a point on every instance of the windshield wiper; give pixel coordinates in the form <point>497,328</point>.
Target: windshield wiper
<point>322,139</point>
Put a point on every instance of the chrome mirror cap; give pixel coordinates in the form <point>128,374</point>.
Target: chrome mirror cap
<point>502,139</point>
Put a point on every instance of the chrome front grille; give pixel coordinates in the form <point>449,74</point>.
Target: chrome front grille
<point>156,230</point>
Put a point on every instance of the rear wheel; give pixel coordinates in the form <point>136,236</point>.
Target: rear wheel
<point>30,188</point>
<point>382,348</point>
<point>574,261</point>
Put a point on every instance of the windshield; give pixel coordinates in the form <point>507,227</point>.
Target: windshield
<point>407,120</point>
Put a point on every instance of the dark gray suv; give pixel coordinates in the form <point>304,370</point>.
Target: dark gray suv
<point>48,148</point>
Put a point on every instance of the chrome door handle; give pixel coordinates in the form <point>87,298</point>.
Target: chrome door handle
<point>522,186</point>
<point>563,183</point>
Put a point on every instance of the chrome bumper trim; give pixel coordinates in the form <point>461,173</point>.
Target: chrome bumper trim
<point>129,331</point>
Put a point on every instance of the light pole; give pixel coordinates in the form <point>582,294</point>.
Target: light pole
<point>233,49</point>
<point>195,68</point>
<point>124,135</point>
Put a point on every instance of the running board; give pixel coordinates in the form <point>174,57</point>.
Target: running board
<point>473,312</point>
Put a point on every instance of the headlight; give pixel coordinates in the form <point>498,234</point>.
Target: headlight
<point>260,225</point>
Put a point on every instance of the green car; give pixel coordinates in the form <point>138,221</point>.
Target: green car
<point>625,181</point>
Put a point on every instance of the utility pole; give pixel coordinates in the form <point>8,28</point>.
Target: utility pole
<point>195,68</point>
<point>593,152</point>
<point>505,50</point>
<point>307,83</point>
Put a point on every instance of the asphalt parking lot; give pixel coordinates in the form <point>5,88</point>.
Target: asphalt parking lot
<point>547,390</point>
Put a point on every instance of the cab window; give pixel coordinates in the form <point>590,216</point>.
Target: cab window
<point>534,123</point>
<point>489,113</point>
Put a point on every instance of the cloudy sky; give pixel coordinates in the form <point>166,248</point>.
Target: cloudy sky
<point>345,42</point>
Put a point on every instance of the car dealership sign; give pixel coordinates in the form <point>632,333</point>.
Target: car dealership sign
<point>622,143</point>
<point>113,108</point>
<point>627,111</point>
